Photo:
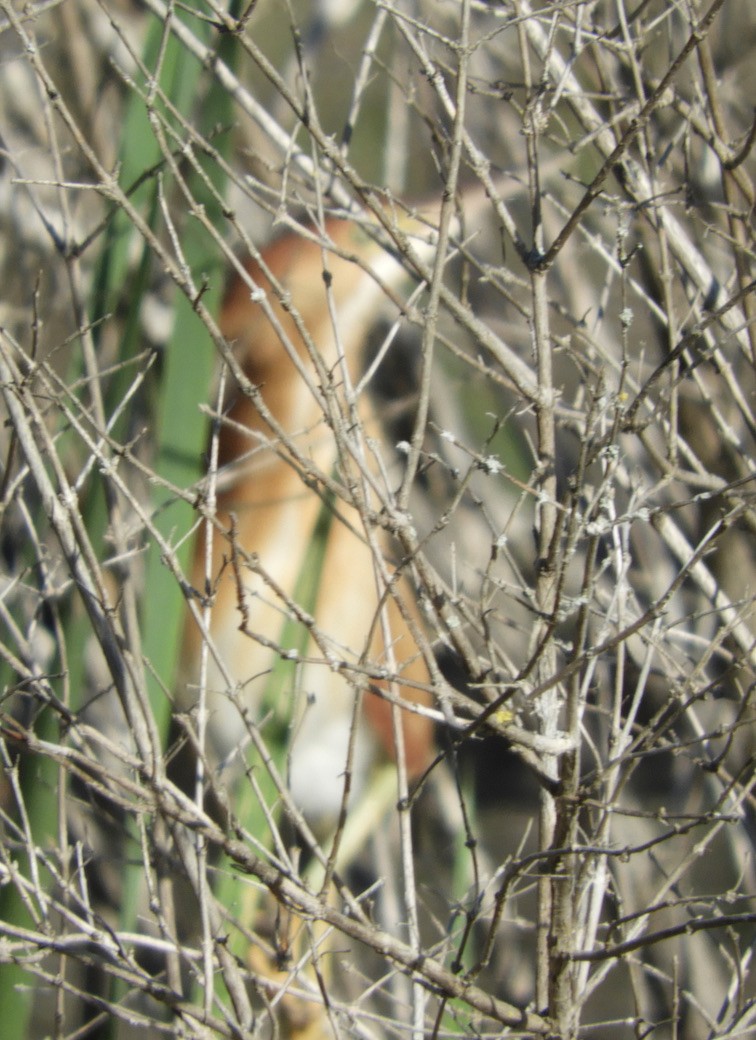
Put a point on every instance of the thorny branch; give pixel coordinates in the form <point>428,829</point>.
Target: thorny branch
<point>546,452</point>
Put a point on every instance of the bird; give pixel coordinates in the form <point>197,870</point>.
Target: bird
<point>299,447</point>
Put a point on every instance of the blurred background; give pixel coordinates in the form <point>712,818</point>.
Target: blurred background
<point>567,191</point>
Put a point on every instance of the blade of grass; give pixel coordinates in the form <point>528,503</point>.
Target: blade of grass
<point>179,430</point>
<point>38,780</point>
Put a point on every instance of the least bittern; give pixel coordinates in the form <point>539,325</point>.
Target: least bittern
<point>301,471</point>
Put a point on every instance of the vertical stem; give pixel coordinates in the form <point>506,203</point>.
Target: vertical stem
<point>435,286</point>
<point>547,708</point>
